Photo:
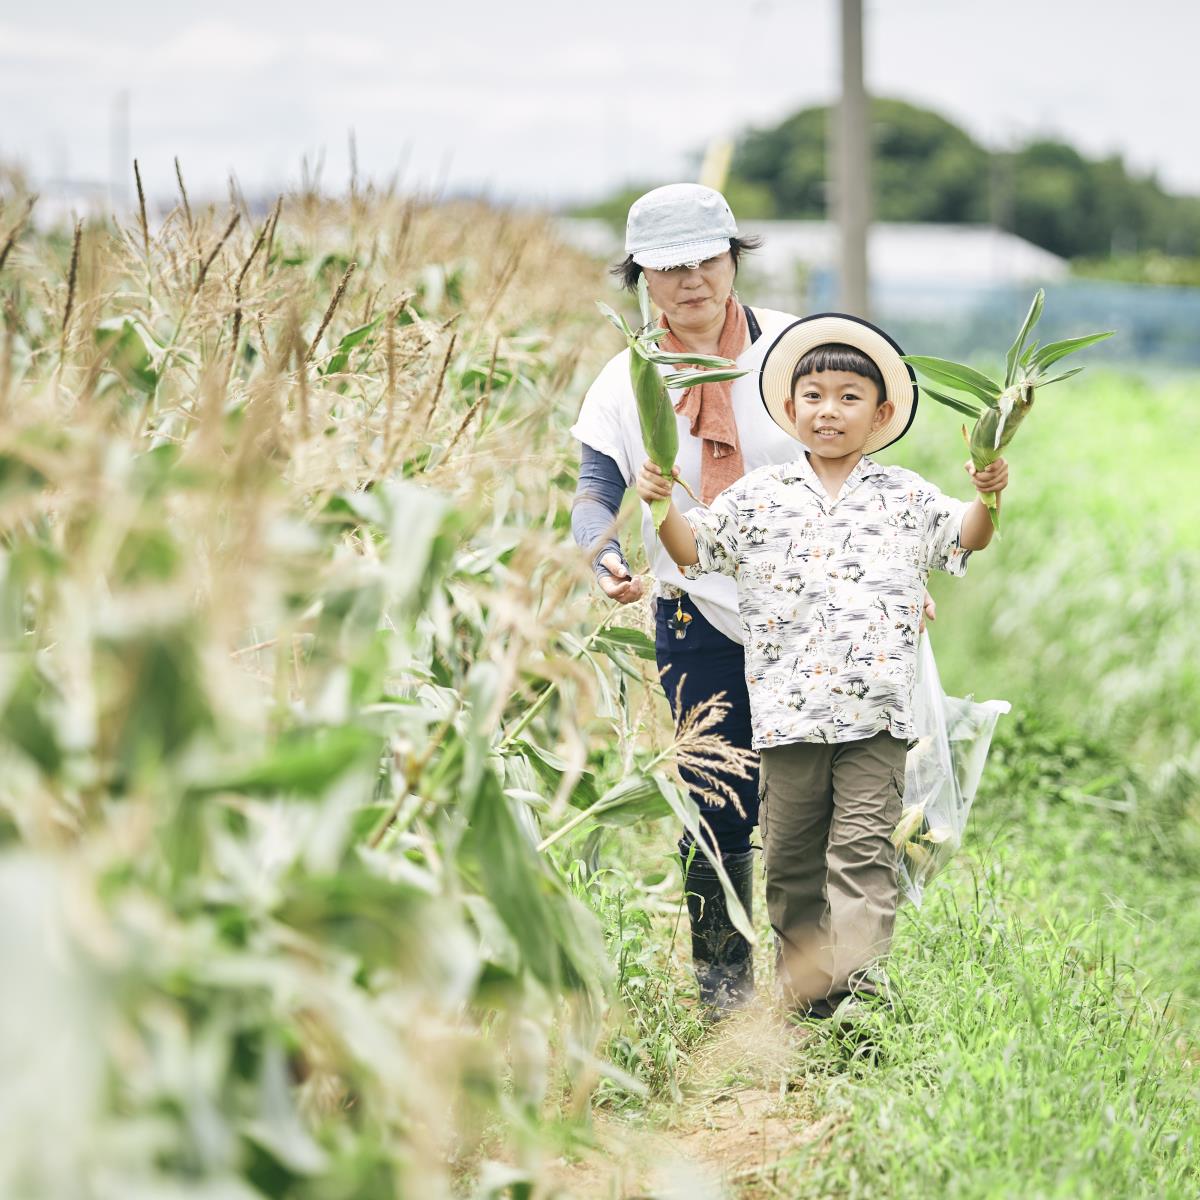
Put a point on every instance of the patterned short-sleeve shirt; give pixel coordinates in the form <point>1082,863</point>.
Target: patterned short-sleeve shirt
<point>830,591</point>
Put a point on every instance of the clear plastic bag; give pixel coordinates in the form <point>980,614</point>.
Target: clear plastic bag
<point>941,775</point>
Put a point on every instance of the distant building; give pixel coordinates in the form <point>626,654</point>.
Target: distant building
<point>798,259</point>
<point>62,201</point>
<point>952,290</point>
<point>903,253</point>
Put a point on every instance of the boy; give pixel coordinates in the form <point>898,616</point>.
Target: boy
<point>831,554</point>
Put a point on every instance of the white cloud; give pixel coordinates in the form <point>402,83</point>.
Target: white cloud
<point>334,48</point>
<point>19,47</point>
<point>215,46</point>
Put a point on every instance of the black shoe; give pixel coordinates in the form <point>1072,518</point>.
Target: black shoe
<point>722,958</point>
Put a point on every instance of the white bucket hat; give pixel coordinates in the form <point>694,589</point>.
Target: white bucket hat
<point>779,364</point>
<point>680,224</point>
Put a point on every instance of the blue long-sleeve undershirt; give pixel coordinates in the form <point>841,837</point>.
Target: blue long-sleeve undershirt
<point>598,497</point>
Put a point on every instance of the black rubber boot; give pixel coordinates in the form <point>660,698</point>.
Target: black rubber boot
<point>721,957</point>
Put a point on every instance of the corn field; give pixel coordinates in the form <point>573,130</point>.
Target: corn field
<point>302,689</point>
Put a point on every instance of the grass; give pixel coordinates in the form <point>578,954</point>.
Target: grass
<point>1043,1039</point>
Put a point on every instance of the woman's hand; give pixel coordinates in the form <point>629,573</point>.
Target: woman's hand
<point>618,584</point>
<point>652,484</point>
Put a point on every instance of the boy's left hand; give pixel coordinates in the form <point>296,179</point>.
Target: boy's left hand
<point>928,612</point>
<point>993,479</point>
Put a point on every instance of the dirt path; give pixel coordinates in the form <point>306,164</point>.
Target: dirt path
<point>741,1112</point>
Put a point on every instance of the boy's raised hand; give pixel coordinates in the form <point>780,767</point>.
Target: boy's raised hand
<point>992,479</point>
<point>652,484</point>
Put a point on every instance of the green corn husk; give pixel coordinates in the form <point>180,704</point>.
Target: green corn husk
<point>1005,406</point>
<point>655,411</point>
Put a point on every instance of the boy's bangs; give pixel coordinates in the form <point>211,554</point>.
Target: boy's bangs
<point>836,356</point>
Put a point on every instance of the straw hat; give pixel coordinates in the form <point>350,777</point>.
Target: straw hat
<point>900,384</point>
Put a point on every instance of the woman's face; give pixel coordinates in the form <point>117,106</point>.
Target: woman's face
<point>693,297</point>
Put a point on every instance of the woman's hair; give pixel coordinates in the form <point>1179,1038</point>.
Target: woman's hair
<point>627,271</point>
<point>836,356</point>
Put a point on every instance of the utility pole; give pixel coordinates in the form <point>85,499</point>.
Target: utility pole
<point>119,163</point>
<point>852,165</point>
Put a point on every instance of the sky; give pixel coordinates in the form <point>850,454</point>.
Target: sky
<point>552,102</point>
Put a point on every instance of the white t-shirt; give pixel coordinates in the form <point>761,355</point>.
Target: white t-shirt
<point>608,422</point>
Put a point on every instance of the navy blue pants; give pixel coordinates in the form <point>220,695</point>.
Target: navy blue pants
<point>708,662</point>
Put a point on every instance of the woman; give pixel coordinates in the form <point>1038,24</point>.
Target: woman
<point>685,240</point>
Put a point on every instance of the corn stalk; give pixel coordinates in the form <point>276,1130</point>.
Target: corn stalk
<point>1005,406</point>
<point>656,413</point>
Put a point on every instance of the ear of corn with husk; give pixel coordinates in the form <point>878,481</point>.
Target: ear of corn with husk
<point>921,840</point>
<point>655,410</point>
<point>1003,406</point>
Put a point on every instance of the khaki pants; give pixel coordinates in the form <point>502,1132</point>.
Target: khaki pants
<point>827,815</point>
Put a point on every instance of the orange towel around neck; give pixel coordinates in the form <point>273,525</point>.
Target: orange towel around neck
<point>709,409</point>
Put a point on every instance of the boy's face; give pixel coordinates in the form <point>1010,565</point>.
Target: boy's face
<point>834,412</point>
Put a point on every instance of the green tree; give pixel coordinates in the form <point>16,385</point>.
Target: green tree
<point>925,168</point>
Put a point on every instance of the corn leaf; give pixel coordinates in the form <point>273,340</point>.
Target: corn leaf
<point>550,769</point>
<point>1041,383</point>
<point>1007,400</point>
<point>621,324</point>
<point>643,295</point>
<point>686,379</point>
<point>1050,354</point>
<point>956,375</point>
<point>341,356</point>
<point>306,763</point>
<point>131,352</point>
<point>1031,319</point>
<point>700,360</point>
<point>688,815</point>
<point>966,407</point>
<point>656,415</point>
<point>630,639</point>
<point>636,798</point>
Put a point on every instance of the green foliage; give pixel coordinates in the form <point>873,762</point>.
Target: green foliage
<point>925,168</point>
<point>656,413</point>
<point>661,1022</point>
<point>1152,267</point>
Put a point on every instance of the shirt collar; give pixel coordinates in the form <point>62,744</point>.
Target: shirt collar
<point>800,470</point>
